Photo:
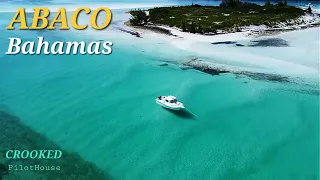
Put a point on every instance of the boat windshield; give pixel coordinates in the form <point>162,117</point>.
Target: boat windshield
<point>174,101</point>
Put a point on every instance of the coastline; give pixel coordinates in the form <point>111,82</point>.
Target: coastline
<point>306,21</point>
<point>212,56</point>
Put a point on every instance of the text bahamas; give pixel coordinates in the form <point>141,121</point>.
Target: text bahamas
<point>40,21</point>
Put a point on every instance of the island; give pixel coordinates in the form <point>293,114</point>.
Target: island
<point>230,16</point>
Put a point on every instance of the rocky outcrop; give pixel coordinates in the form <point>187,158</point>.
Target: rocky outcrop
<point>202,66</point>
<point>157,29</point>
<point>130,32</point>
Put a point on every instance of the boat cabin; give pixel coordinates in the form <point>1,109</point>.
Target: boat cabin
<point>169,99</point>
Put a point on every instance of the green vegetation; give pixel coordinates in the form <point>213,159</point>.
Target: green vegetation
<point>229,16</point>
<point>139,17</point>
<point>268,3</point>
<point>309,10</point>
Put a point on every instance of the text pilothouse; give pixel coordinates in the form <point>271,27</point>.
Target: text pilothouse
<point>33,168</point>
<point>40,21</point>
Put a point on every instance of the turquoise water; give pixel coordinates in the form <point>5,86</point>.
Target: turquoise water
<point>102,107</point>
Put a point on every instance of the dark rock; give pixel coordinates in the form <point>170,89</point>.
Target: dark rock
<point>224,42</point>
<point>241,45</point>
<point>130,32</point>
<point>157,29</point>
<point>213,71</point>
<point>199,65</point>
<point>165,64</point>
<point>137,34</point>
<point>264,76</point>
<point>271,42</point>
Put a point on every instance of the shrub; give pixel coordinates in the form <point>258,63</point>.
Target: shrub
<point>267,3</point>
<point>139,17</point>
<point>280,3</point>
<point>192,28</point>
<point>230,3</point>
<point>200,29</point>
<point>309,10</point>
<point>183,26</point>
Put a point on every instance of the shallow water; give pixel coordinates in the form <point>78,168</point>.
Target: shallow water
<point>14,134</point>
<point>102,107</point>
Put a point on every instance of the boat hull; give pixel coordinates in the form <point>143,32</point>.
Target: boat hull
<point>168,107</point>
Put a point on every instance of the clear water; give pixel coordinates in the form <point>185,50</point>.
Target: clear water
<point>102,107</point>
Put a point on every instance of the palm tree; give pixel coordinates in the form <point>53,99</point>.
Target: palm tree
<point>309,10</point>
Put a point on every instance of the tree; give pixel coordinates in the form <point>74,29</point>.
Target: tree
<point>267,3</point>
<point>183,26</point>
<point>280,3</point>
<point>285,3</point>
<point>230,3</point>
<point>192,28</point>
<point>309,10</point>
<point>139,17</point>
<point>200,29</point>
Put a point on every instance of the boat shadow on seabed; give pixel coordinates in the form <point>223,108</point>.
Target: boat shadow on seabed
<point>182,113</point>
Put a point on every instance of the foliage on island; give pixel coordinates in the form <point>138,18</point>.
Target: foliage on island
<point>229,16</point>
<point>309,10</point>
<point>139,17</point>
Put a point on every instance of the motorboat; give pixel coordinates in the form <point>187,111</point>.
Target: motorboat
<point>169,102</point>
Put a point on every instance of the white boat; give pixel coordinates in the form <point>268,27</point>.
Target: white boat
<point>169,102</point>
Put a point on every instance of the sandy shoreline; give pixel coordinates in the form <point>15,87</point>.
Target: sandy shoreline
<point>227,52</point>
<point>310,21</point>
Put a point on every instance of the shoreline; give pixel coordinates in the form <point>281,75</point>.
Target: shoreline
<point>211,57</point>
<point>254,31</point>
<point>214,56</point>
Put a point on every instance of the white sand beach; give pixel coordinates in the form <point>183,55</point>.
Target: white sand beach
<point>236,51</point>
